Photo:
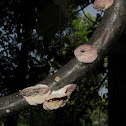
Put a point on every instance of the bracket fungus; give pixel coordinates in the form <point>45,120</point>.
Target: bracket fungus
<point>59,97</point>
<point>102,5</point>
<point>36,94</point>
<point>39,94</point>
<point>85,53</point>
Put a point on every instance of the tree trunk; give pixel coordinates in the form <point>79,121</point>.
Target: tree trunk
<point>117,84</point>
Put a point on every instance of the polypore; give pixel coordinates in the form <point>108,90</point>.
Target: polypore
<point>102,5</point>
<point>85,53</point>
<point>35,95</point>
<point>59,97</point>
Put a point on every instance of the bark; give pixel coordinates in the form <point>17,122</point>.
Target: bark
<point>11,104</point>
<point>107,33</point>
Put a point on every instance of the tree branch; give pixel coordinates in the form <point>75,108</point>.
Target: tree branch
<point>107,33</point>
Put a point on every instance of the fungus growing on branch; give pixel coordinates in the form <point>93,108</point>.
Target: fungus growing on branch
<point>36,94</point>
<point>102,5</point>
<point>85,53</point>
<point>59,97</point>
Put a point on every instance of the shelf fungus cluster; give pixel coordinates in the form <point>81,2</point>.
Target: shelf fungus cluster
<point>102,5</point>
<point>51,100</point>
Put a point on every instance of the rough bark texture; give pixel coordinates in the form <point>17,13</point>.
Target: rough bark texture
<point>105,36</point>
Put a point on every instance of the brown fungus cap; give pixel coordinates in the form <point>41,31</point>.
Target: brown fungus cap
<point>35,95</point>
<point>85,53</point>
<point>102,5</point>
<point>59,97</point>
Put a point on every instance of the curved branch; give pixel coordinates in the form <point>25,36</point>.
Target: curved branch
<point>107,33</point>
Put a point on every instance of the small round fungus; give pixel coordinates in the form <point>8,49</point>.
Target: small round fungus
<point>57,79</point>
<point>8,111</point>
<point>85,53</point>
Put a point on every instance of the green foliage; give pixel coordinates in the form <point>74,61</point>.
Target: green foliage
<point>80,28</point>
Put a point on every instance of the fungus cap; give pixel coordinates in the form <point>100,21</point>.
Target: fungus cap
<point>85,53</point>
<point>59,97</point>
<point>35,95</point>
<point>102,5</point>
